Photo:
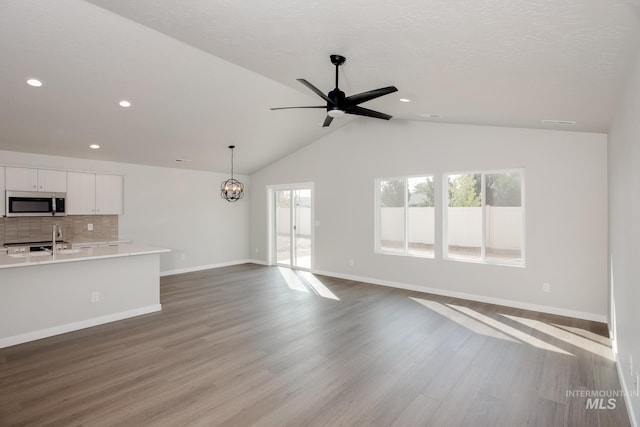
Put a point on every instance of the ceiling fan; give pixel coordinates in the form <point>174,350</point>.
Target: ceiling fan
<point>338,104</point>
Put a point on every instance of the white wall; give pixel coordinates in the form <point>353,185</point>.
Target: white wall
<point>565,246</point>
<point>172,208</point>
<point>624,232</point>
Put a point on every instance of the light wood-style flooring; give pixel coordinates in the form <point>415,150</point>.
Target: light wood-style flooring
<point>251,345</point>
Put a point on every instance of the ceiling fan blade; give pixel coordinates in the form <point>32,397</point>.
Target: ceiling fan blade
<point>359,111</point>
<point>316,90</point>
<point>368,96</point>
<point>327,121</point>
<point>289,108</point>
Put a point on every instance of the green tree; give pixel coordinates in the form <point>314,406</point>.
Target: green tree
<point>464,190</point>
<point>392,193</point>
<point>426,189</point>
<point>504,189</point>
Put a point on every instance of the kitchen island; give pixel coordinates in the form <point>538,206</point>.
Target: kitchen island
<point>43,295</point>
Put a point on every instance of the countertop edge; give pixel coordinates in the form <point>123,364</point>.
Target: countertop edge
<point>86,254</point>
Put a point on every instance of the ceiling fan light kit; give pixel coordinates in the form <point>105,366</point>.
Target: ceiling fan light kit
<point>338,104</point>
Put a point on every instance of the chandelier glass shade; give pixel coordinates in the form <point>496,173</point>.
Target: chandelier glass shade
<point>232,190</point>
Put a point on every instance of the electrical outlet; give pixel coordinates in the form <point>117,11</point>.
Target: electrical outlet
<point>89,227</point>
<point>95,296</point>
<point>351,262</point>
<point>546,287</point>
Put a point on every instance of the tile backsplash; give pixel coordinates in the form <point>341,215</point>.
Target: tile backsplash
<point>74,228</point>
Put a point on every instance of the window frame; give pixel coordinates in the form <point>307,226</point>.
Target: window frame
<point>445,217</point>
<point>378,249</point>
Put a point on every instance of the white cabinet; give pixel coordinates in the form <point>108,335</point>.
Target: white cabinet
<point>53,181</point>
<point>3,201</point>
<point>109,194</point>
<point>21,179</point>
<point>81,193</point>
<point>90,193</point>
<point>27,179</point>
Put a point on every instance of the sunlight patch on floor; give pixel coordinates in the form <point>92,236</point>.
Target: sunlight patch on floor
<point>304,281</point>
<point>317,285</point>
<point>293,281</point>
<point>464,320</point>
<point>567,336</point>
<point>516,333</point>
<point>585,334</point>
<point>485,325</point>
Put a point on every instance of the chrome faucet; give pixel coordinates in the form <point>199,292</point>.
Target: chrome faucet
<point>56,234</point>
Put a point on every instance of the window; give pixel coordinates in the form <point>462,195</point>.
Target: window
<point>485,217</point>
<point>405,216</point>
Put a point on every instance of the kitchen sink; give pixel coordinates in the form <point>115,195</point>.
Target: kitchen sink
<point>45,253</point>
<point>26,254</point>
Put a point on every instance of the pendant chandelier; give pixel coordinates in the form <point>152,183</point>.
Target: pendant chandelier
<point>231,189</point>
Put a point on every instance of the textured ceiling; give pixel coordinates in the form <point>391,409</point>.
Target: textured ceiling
<point>203,74</point>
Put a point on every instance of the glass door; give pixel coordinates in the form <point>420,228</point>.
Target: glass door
<point>293,227</point>
<point>283,226</point>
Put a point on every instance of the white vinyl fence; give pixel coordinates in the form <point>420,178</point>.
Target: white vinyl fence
<point>283,221</point>
<point>421,222</point>
<point>504,226</point>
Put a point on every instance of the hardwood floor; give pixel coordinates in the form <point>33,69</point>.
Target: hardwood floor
<point>251,345</point>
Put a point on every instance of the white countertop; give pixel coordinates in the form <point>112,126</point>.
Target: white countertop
<point>84,254</point>
<point>77,244</point>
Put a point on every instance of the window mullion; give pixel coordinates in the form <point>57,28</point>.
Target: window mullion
<point>483,199</point>
<point>406,215</point>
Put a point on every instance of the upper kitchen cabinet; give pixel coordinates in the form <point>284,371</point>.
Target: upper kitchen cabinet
<point>91,194</point>
<point>109,194</point>
<point>81,193</point>
<point>2,202</point>
<point>27,179</point>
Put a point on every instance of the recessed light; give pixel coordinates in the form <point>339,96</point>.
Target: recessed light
<point>559,122</point>
<point>94,146</point>
<point>430,115</point>
<point>184,160</point>
<point>405,100</point>
<point>34,82</point>
<point>124,103</point>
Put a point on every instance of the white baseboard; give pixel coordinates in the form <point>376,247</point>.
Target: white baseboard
<point>462,295</point>
<point>480,298</point>
<point>70,327</point>
<point>203,267</point>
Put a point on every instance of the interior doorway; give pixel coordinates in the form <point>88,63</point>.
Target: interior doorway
<point>292,227</point>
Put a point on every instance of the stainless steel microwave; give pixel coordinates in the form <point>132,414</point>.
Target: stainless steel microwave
<point>32,203</point>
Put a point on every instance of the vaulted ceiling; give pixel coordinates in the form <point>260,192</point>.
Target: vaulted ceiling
<point>202,74</point>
